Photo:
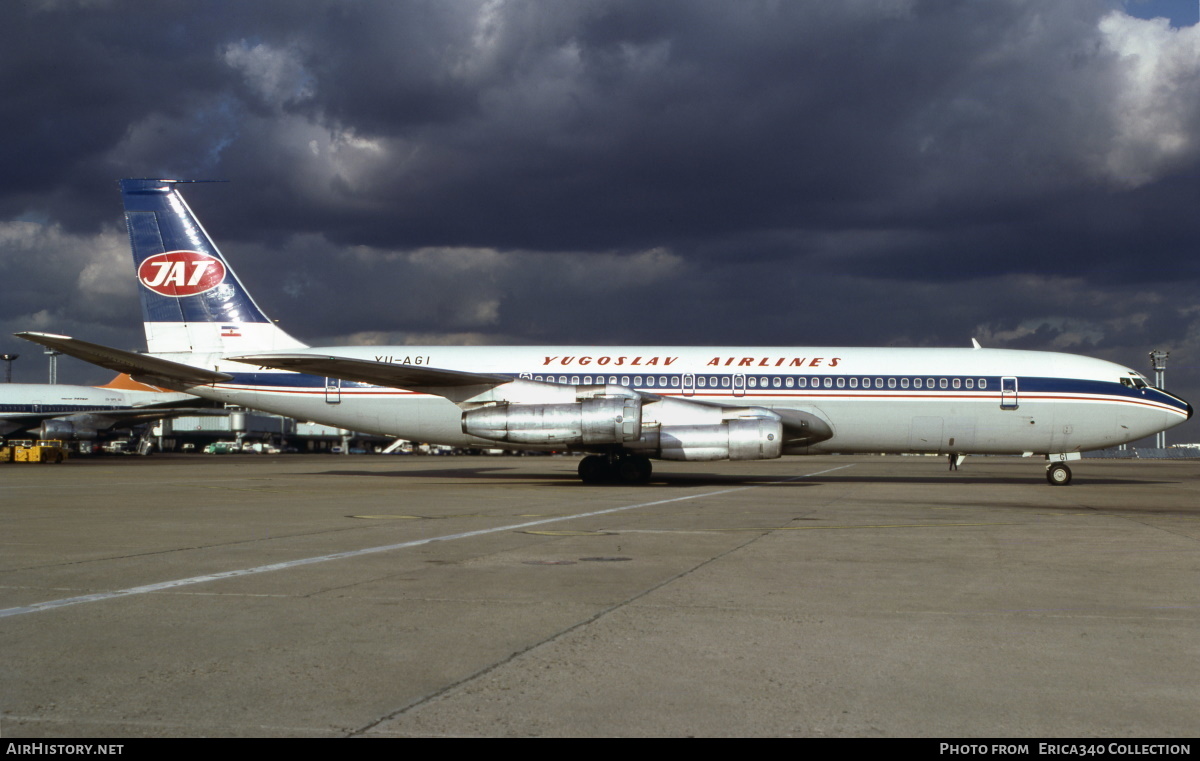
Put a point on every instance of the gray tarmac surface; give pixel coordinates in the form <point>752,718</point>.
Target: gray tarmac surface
<point>497,596</point>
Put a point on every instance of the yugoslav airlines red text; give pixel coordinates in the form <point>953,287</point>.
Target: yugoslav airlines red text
<point>642,361</point>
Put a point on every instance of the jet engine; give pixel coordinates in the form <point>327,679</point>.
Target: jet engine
<point>592,421</point>
<point>64,430</point>
<point>758,438</point>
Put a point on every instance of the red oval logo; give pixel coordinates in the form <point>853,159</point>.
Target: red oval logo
<point>181,273</point>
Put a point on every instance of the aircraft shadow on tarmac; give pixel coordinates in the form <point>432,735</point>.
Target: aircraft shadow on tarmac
<point>571,479</point>
<point>494,473</point>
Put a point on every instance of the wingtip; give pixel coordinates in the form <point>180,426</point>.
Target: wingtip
<point>31,335</point>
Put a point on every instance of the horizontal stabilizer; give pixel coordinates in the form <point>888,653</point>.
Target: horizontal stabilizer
<point>375,373</point>
<point>141,367</point>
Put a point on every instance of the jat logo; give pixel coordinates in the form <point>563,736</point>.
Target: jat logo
<point>181,273</point>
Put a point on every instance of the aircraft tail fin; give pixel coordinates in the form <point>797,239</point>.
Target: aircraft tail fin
<point>124,382</point>
<point>192,302</point>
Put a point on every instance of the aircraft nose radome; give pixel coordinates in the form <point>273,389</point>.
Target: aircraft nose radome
<point>1186,405</point>
<point>1177,402</point>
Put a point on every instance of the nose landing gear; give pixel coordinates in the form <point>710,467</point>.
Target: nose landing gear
<point>1058,474</point>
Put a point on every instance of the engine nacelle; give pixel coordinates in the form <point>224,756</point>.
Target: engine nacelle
<point>592,421</point>
<point>739,439</point>
<point>64,430</point>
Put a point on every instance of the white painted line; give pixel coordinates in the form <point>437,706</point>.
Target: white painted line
<point>52,604</point>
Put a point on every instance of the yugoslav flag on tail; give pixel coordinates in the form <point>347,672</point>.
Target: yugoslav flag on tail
<point>192,302</point>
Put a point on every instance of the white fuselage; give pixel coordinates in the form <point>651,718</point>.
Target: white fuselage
<point>966,401</point>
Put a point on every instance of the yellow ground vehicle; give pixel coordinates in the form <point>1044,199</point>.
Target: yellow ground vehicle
<point>42,451</point>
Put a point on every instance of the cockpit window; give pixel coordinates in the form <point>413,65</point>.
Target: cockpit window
<point>1134,381</point>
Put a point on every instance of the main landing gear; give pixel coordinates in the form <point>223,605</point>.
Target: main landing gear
<point>618,467</point>
<point>1058,474</point>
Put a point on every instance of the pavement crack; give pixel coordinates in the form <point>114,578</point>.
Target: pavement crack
<point>556,636</point>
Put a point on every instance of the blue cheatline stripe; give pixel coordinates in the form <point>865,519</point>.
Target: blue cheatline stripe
<point>1032,390</point>
<point>1048,387</point>
<point>164,585</point>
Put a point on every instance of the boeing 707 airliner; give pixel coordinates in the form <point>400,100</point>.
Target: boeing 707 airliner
<point>620,406</point>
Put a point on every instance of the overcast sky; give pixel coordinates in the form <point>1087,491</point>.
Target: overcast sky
<point>784,172</point>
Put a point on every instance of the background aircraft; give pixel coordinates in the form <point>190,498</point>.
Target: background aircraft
<point>83,413</point>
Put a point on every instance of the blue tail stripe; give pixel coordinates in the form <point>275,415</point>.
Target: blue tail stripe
<point>160,222</point>
<point>146,241</point>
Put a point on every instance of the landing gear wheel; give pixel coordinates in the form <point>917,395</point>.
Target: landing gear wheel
<point>622,468</point>
<point>1058,474</point>
<point>595,469</point>
<point>634,469</point>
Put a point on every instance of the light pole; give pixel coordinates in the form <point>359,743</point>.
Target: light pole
<point>54,354</point>
<point>8,370</point>
<point>1158,360</point>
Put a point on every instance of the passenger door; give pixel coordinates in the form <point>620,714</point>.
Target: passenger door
<point>1008,393</point>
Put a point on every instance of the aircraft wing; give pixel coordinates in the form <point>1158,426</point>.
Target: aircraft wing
<point>113,418</point>
<point>140,367</point>
<point>800,427</point>
<point>10,424</point>
<point>375,373</point>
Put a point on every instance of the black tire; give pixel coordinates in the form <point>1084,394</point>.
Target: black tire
<point>635,469</point>
<point>1058,474</point>
<point>594,469</point>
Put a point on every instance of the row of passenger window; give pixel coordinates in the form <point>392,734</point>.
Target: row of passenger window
<point>53,408</point>
<point>769,381</point>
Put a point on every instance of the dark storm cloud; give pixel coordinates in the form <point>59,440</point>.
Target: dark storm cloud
<point>902,172</point>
